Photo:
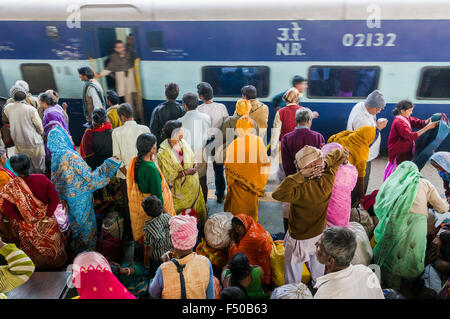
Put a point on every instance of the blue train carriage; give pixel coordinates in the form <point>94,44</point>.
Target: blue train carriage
<point>342,47</point>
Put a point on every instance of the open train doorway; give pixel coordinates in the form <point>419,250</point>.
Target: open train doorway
<point>118,65</point>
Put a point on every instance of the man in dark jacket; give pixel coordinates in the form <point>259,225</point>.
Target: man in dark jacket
<point>164,112</point>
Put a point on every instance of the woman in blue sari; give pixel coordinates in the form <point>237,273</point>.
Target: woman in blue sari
<point>76,182</point>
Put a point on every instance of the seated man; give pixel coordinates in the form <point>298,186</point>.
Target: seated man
<point>185,275</point>
<point>335,249</point>
<point>19,269</point>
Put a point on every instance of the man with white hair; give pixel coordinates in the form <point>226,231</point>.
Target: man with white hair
<point>30,99</point>
<point>308,192</point>
<point>342,280</point>
<point>26,129</point>
<point>294,141</point>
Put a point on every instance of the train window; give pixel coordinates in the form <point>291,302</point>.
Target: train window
<point>227,81</point>
<point>434,83</point>
<point>155,40</point>
<point>39,77</point>
<point>349,82</point>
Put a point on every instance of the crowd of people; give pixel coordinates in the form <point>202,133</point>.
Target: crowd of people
<point>146,185</point>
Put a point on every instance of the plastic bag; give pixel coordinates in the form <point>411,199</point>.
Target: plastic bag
<point>61,218</point>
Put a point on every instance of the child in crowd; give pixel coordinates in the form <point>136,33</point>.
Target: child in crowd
<point>241,274</point>
<point>156,233</point>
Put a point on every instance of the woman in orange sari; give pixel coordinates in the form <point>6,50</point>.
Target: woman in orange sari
<point>30,200</point>
<point>144,178</point>
<point>253,240</point>
<point>246,169</point>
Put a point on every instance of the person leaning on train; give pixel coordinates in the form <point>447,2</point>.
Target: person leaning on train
<point>298,82</point>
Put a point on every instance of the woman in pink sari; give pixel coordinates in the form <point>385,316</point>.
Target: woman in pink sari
<point>339,206</point>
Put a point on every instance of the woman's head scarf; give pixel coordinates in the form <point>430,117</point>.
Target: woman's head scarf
<point>292,96</point>
<point>443,160</point>
<point>93,278</point>
<point>243,107</point>
<point>245,126</point>
<point>59,144</point>
<point>357,142</point>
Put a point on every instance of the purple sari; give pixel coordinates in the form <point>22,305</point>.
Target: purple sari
<point>53,116</point>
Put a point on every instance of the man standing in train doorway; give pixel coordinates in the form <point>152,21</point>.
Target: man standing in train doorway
<point>121,67</point>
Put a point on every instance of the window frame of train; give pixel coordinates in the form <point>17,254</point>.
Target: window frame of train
<point>260,93</point>
<point>48,85</point>
<point>421,81</point>
<point>376,82</point>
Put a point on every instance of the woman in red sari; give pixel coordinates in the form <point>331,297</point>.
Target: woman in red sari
<point>30,201</point>
<point>253,240</point>
<point>401,141</point>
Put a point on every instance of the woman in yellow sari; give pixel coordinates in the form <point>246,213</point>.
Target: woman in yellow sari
<point>357,143</point>
<point>176,159</point>
<point>144,178</point>
<point>246,169</point>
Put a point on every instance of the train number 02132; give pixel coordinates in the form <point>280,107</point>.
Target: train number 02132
<point>369,39</point>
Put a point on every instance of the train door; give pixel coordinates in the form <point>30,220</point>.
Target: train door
<point>99,56</point>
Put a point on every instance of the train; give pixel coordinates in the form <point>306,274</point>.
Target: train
<point>345,48</point>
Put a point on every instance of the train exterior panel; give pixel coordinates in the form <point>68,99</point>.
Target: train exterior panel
<point>179,51</point>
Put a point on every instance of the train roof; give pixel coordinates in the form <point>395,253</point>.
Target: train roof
<point>179,10</point>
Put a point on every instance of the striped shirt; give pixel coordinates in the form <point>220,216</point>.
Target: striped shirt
<point>19,269</point>
<point>156,234</point>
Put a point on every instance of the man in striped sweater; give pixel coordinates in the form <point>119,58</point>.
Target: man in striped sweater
<point>18,270</point>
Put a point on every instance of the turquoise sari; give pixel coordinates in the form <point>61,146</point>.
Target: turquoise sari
<point>401,236</point>
<point>76,182</point>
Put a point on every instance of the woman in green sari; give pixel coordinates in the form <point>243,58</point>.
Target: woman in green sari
<point>401,235</point>
<point>176,160</point>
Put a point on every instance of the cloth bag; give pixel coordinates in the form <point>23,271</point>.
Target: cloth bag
<point>362,217</point>
<point>217,228</point>
<point>217,257</point>
<point>363,253</point>
<point>113,225</point>
<point>277,263</point>
<point>431,140</point>
<point>292,291</point>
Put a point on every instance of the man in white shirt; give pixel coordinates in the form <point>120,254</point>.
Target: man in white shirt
<point>196,126</point>
<point>335,249</point>
<point>218,114</point>
<point>365,113</point>
<point>124,147</point>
